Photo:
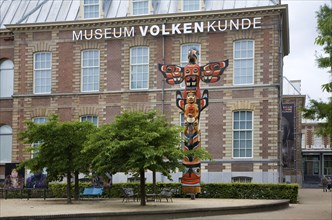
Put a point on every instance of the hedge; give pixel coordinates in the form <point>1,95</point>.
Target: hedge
<point>209,190</point>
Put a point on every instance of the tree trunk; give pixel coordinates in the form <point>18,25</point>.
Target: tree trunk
<point>68,188</point>
<point>77,187</point>
<point>154,181</point>
<point>142,186</point>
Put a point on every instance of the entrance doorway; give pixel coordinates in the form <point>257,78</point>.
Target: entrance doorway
<point>311,168</point>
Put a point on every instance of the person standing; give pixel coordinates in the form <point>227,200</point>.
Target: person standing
<point>329,183</point>
<point>325,182</point>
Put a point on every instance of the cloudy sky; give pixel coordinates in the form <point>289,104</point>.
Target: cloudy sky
<point>300,64</point>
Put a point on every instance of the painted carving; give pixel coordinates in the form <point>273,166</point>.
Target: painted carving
<point>192,102</point>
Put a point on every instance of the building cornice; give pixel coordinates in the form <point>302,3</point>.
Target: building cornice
<point>211,89</point>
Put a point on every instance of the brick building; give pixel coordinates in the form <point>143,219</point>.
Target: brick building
<point>316,154</point>
<point>291,127</point>
<point>306,155</point>
<point>89,60</point>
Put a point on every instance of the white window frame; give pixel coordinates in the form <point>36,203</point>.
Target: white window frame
<point>45,73</point>
<point>87,6</point>
<point>90,118</point>
<point>243,140</point>
<point>87,71</point>
<point>6,139</point>
<point>240,58</point>
<point>138,12</point>
<point>6,79</point>
<point>189,3</point>
<point>136,66</point>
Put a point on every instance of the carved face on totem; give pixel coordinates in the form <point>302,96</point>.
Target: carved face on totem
<point>191,77</point>
<point>191,97</point>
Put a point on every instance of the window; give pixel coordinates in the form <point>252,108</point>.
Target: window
<point>140,7</point>
<point>90,118</point>
<point>182,119</point>
<point>40,120</point>
<point>139,68</point>
<point>91,9</point>
<point>6,78</point>
<point>242,179</point>
<point>90,70</point>
<point>242,134</point>
<point>182,125</point>
<point>327,165</point>
<point>42,72</point>
<point>243,62</point>
<point>191,5</point>
<point>318,142</point>
<point>184,55</point>
<point>6,138</point>
<point>37,120</point>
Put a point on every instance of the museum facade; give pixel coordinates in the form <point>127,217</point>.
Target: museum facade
<point>91,60</point>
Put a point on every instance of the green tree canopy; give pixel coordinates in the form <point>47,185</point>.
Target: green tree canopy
<point>136,142</point>
<point>319,110</point>
<point>59,149</point>
<point>324,39</point>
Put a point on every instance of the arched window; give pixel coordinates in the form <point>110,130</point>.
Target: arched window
<point>6,78</point>
<point>6,139</point>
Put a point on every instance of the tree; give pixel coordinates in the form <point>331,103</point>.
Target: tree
<point>136,142</point>
<point>319,110</point>
<point>59,150</point>
<point>324,38</point>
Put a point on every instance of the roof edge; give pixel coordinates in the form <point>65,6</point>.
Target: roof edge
<point>151,17</point>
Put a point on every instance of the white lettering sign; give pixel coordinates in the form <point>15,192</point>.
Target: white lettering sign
<point>172,29</point>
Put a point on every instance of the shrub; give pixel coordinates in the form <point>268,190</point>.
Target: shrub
<point>209,190</point>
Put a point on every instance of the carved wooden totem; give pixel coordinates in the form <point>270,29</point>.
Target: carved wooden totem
<point>192,103</point>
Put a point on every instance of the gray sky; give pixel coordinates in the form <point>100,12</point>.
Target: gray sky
<point>301,63</point>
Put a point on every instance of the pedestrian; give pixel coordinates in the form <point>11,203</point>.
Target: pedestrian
<point>325,182</point>
<point>329,184</point>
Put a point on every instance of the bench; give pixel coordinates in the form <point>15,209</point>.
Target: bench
<point>6,190</point>
<point>92,192</point>
<point>30,191</point>
<point>129,193</point>
<point>167,194</point>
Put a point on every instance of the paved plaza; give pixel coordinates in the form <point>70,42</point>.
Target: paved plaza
<point>313,204</point>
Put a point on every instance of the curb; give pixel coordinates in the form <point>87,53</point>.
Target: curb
<point>161,214</point>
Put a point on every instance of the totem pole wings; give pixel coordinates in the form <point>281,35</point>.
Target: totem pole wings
<point>211,72</point>
<point>172,73</point>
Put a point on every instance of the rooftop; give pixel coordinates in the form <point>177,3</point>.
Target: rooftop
<point>39,11</point>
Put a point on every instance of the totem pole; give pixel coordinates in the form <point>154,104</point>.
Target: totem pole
<point>192,103</point>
